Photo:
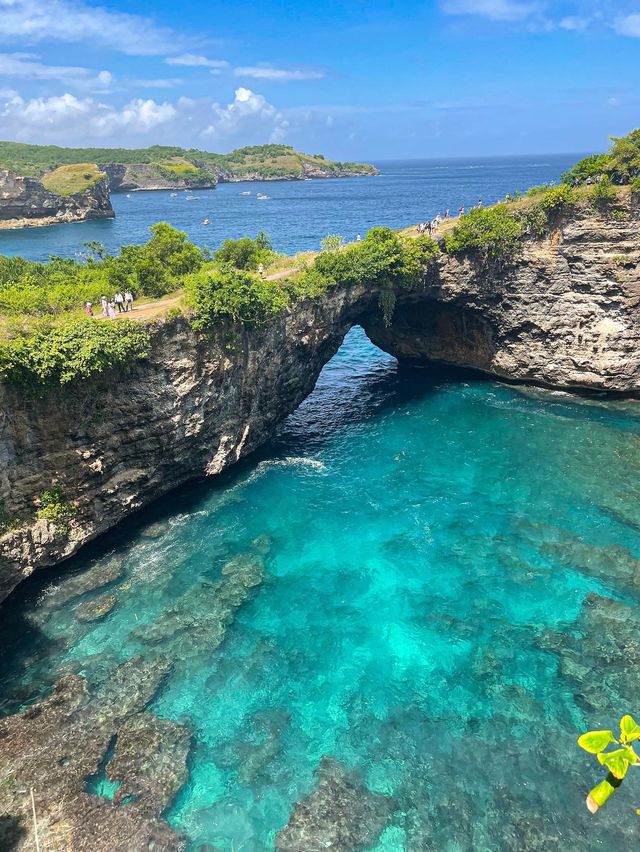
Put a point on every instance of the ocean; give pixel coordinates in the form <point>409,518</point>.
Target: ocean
<point>444,588</point>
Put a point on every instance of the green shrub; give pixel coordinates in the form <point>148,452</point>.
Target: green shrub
<point>55,509</point>
<point>225,292</point>
<point>7,520</point>
<point>558,199</point>
<point>601,194</point>
<point>635,186</point>
<point>589,167</point>
<point>493,232</point>
<point>75,349</point>
<point>332,242</point>
<point>246,253</point>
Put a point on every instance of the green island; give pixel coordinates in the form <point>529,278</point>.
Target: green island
<point>174,163</point>
<point>45,337</point>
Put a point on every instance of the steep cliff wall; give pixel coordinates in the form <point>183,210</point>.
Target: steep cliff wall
<point>124,177</point>
<point>25,202</point>
<point>565,312</point>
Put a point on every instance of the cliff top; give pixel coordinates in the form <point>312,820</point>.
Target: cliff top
<point>69,180</point>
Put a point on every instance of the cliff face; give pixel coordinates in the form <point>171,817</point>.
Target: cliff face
<point>125,177</point>
<point>25,202</point>
<point>308,171</point>
<point>566,313</point>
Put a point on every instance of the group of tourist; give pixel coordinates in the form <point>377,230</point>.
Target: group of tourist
<point>431,227</point>
<point>122,301</point>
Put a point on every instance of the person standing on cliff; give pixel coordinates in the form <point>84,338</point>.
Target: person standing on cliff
<point>128,300</point>
<point>105,304</point>
<point>119,300</point>
<point>261,270</point>
<point>88,307</point>
<point>111,308</point>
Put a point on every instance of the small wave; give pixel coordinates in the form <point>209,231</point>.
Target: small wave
<point>314,464</point>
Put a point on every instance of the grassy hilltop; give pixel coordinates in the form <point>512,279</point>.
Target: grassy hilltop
<point>263,161</point>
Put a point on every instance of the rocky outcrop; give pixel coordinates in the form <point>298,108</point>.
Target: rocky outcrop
<point>307,171</point>
<point>56,746</point>
<point>565,312</point>
<point>24,202</point>
<point>133,176</point>
<point>340,813</point>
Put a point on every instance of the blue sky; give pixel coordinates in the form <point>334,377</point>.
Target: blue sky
<point>352,80</point>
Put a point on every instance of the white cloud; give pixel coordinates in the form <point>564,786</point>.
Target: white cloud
<point>71,120</point>
<point>278,75</point>
<point>628,25</point>
<point>247,111</point>
<point>27,66</point>
<point>71,21</point>
<point>66,114</point>
<point>495,10</point>
<point>574,23</point>
<point>193,60</point>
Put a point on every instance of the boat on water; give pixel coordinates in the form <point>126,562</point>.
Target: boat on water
<point>245,193</point>
<point>262,197</point>
<point>206,222</point>
<point>128,195</point>
<point>174,194</point>
<point>191,197</point>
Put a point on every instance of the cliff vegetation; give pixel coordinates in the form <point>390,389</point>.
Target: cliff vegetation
<point>70,180</point>
<point>174,163</point>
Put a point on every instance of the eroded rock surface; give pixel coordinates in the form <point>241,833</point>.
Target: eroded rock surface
<point>96,609</point>
<point>150,761</point>
<point>339,814</point>
<point>25,202</point>
<point>54,746</point>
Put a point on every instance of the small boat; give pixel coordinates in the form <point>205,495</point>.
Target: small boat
<point>191,197</point>
<point>262,197</point>
<point>245,193</point>
<point>205,222</point>
<point>174,194</point>
<point>128,195</point>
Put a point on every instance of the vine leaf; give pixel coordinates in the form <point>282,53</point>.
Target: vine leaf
<point>596,741</point>
<point>629,729</point>
<point>617,762</point>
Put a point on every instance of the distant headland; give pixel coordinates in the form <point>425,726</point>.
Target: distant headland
<point>46,184</point>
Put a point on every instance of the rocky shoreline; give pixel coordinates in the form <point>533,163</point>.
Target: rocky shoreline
<point>25,203</point>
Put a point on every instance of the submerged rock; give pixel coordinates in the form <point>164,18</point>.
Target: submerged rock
<point>95,577</point>
<point>96,609</point>
<point>150,761</point>
<point>340,814</point>
<point>54,746</point>
<point>198,621</point>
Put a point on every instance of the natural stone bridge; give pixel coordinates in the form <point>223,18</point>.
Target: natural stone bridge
<point>565,314</point>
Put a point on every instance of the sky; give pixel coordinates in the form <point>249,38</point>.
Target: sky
<point>352,80</point>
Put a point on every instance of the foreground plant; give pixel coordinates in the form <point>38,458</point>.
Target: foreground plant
<point>616,761</point>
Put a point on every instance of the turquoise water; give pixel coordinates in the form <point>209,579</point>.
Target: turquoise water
<point>440,585</point>
<point>299,213</point>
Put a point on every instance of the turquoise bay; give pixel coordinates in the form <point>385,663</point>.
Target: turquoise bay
<point>441,562</point>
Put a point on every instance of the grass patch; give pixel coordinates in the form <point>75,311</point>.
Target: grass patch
<point>72,179</point>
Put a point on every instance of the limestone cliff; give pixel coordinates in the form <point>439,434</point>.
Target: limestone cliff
<point>565,312</point>
<point>25,202</point>
<point>133,176</point>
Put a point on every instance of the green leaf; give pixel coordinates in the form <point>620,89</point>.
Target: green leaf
<point>617,762</point>
<point>629,729</point>
<point>596,741</point>
<point>601,793</point>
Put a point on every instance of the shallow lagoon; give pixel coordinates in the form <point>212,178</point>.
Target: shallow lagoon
<point>440,572</point>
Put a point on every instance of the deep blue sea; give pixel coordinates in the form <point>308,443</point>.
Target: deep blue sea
<point>298,214</point>
<point>442,583</point>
